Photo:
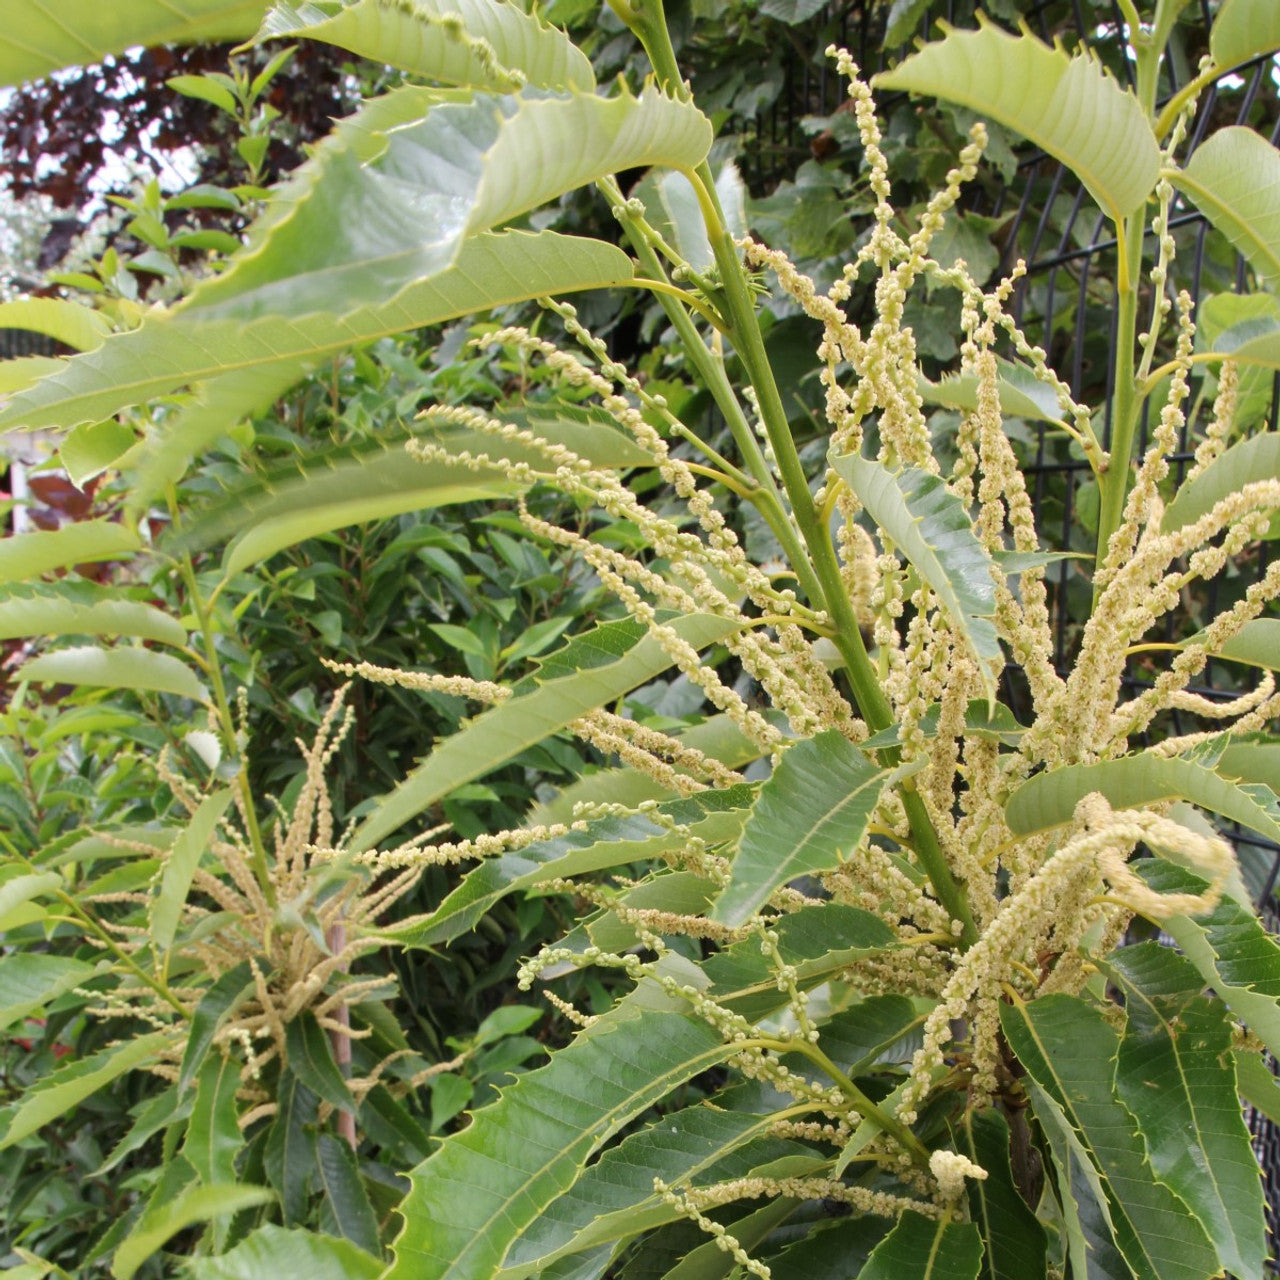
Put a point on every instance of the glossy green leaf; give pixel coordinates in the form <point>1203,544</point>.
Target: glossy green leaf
<point>1014,1242</point>
<point>273,1251</point>
<point>161,1112</point>
<point>1081,1198</point>
<point>831,1251</point>
<point>623,656</point>
<point>119,668</point>
<point>432,169</point>
<point>1132,782</point>
<point>310,1058</point>
<point>817,942</point>
<point>29,555</point>
<point>614,1199</point>
<point>1233,178</point>
<point>289,1157</point>
<point>1257,458</point>
<point>708,1261</point>
<point>1231,950</point>
<point>56,1094</point>
<point>1068,106</point>
<point>926,1249</point>
<point>30,980</point>
<point>174,350</point>
<point>71,323</point>
<point>1243,29</point>
<point>808,817</point>
<point>180,866</point>
<point>414,36</point>
<point>215,1006</point>
<point>601,843</point>
<point>1257,644</point>
<point>931,527</point>
<point>1172,1073</point>
<point>338,1176</point>
<point>39,36</point>
<point>1070,1050</point>
<point>213,1135</point>
<point>194,1204</point>
<point>83,609</point>
<point>520,1154</point>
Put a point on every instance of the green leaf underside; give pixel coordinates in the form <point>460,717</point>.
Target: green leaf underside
<point>42,36</point>
<point>1049,799</point>
<point>119,668</point>
<point>926,1249</point>
<point>1174,1074</point>
<point>1070,1050</point>
<point>215,1006</point>
<point>1231,950</point>
<point>931,527</point>
<point>173,350</point>
<point>717,737</point>
<point>809,816</point>
<point>328,492</point>
<point>1022,394</point>
<point>409,34</point>
<point>30,555</point>
<point>68,322</point>
<point>180,866</point>
<point>56,1094</point>
<point>1016,1247</point>
<point>1257,644</point>
<point>217,405</point>
<point>420,172</point>
<point>1233,178</point>
<point>277,1252</point>
<point>605,842</point>
<point>1068,106</point>
<point>1258,1087</point>
<point>625,657</point>
<point>615,1199</point>
<point>1257,458</point>
<point>816,941</point>
<point>29,981</point>
<point>680,892</point>
<point>523,1151</point>
<point>979,722</point>
<point>1243,29</point>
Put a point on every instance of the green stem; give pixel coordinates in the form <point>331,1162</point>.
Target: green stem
<point>765,498</point>
<point>1126,401</point>
<point>647,20</point>
<point>858,1100</point>
<point>226,722</point>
